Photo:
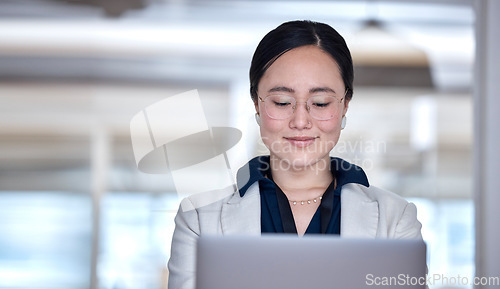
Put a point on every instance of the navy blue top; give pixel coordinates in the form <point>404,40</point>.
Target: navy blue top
<point>276,213</point>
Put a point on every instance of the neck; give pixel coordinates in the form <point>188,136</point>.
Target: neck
<point>302,179</point>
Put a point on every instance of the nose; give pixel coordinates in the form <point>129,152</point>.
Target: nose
<point>300,118</point>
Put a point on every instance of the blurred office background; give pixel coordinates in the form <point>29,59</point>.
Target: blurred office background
<point>75,212</point>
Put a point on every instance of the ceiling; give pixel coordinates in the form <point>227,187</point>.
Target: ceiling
<point>209,42</point>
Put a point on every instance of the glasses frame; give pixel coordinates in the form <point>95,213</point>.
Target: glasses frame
<point>297,102</point>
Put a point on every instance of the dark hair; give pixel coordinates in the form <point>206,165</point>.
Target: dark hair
<point>293,34</point>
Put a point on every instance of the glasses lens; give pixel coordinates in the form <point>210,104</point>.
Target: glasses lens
<point>279,106</point>
<point>323,107</point>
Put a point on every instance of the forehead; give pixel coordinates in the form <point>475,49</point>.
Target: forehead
<point>303,70</point>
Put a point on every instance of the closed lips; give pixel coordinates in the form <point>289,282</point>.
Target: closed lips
<point>301,142</point>
<point>300,138</point>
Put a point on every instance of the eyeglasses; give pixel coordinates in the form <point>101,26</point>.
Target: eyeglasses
<point>320,107</point>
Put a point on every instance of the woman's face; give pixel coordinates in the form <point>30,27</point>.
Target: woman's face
<point>301,140</point>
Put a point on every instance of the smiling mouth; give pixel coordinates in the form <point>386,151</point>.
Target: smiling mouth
<point>301,141</point>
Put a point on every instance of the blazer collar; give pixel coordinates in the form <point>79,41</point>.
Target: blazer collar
<point>359,213</point>
<point>241,215</point>
<point>257,168</point>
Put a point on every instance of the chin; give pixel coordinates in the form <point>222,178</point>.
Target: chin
<point>301,161</point>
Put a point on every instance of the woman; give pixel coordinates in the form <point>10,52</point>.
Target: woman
<point>301,84</point>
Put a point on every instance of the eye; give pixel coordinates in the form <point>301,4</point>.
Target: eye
<point>280,101</point>
<point>320,105</point>
<point>321,101</point>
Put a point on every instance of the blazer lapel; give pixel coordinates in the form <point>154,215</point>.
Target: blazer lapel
<point>359,213</point>
<point>359,219</point>
<point>241,215</point>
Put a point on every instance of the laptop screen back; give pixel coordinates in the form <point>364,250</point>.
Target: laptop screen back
<point>281,261</point>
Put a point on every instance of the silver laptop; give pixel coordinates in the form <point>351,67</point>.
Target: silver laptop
<point>290,262</point>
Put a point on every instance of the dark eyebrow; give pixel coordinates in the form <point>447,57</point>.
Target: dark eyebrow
<point>321,89</point>
<point>281,89</point>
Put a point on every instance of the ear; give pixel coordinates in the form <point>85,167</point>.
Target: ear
<point>346,106</point>
<point>256,105</point>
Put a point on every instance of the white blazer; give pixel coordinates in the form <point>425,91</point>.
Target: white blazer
<point>366,212</point>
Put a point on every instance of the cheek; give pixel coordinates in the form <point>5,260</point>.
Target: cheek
<point>269,129</point>
<point>331,131</point>
<point>269,124</point>
<point>330,126</point>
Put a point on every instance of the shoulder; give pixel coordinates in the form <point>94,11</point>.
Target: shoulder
<point>397,218</point>
<point>216,211</point>
<point>207,200</point>
<point>373,193</point>
<point>199,212</point>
